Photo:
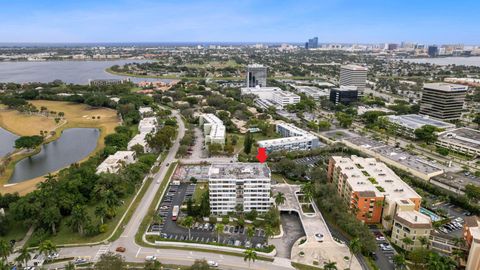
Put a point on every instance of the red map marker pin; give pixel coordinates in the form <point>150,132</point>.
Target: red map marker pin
<point>262,155</point>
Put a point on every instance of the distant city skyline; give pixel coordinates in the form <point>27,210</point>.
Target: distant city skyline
<point>332,21</point>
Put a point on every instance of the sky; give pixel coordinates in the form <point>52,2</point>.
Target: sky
<point>333,21</point>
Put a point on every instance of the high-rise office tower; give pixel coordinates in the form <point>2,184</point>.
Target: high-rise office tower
<point>442,100</point>
<point>432,51</point>
<point>354,75</point>
<point>256,75</point>
<point>312,43</point>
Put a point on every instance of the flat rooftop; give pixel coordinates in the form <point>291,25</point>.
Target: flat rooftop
<point>415,121</point>
<point>464,136</point>
<point>239,171</point>
<point>368,174</point>
<point>396,154</point>
<point>355,67</point>
<point>447,87</point>
<point>414,218</point>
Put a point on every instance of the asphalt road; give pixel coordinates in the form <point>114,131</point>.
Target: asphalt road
<point>136,253</point>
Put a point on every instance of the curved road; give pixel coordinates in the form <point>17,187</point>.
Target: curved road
<point>136,253</point>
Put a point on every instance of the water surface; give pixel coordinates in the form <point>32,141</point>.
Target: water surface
<point>443,61</point>
<point>7,142</point>
<point>73,145</point>
<point>77,72</point>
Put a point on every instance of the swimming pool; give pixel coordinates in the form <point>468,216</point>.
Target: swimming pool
<point>434,217</point>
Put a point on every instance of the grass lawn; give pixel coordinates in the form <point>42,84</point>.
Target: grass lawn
<point>17,232</point>
<point>76,116</point>
<point>200,189</point>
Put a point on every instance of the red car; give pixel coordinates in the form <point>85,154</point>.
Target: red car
<point>120,249</point>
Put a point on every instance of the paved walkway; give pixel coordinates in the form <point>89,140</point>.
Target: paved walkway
<point>321,252</point>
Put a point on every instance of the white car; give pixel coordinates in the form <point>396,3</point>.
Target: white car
<point>212,263</point>
<point>319,237</point>
<point>150,258</point>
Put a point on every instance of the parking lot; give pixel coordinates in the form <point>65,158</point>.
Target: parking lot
<point>309,161</point>
<point>456,216</point>
<point>201,232</point>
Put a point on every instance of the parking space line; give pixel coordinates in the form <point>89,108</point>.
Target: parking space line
<point>138,251</point>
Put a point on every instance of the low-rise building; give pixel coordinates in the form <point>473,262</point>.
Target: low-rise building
<point>147,125</point>
<point>145,111</point>
<point>239,187</point>
<point>462,140</point>
<point>412,225</point>
<point>407,124</point>
<point>471,234</point>
<point>114,163</point>
<point>294,139</point>
<point>273,95</point>
<point>372,189</point>
<point>213,128</point>
<point>313,92</point>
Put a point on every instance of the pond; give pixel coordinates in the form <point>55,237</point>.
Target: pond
<point>7,142</point>
<point>73,145</point>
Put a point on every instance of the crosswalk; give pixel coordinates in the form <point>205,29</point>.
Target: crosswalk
<point>103,249</point>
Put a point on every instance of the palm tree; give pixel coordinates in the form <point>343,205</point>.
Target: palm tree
<point>330,266</point>
<point>249,255</point>
<point>408,241</point>
<point>188,222</point>
<point>250,232</point>
<point>268,232</point>
<point>4,265</point>
<point>279,198</point>
<point>458,254</point>
<point>47,247</point>
<point>5,250</point>
<point>219,230</point>
<point>78,218</point>
<point>399,261</point>
<point>308,190</point>
<point>423,241</point>
<point>355,245</point>
<point>24,257</point>
<point>101,211</point>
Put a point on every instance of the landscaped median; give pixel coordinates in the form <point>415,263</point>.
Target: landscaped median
<point>142,239</point>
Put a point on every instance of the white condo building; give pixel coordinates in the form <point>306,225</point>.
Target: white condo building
<point>272,96</point>
<point>245,184</point>
<point>117,161</point>
<point>294,139</point>
<point>213,128</point>
<point>354,75</point>
<point>145,126</point>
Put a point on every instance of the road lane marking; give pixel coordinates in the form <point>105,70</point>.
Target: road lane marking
<point>138,251</point>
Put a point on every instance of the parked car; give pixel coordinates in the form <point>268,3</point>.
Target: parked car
<point>212,263</point>
<point>150,258</point>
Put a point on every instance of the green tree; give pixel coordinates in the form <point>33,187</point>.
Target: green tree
<point>354,246</point>
<point>247,143</point>
<point>279,198</point>
<point>153,265</point>
<point>423,241</point>
<point>399,261</point>
<point>101,211</point>
<point>47,247</point>
<point>28,142</point>
<point>330,266</point>
<point>199,265</point>
<point>308,191</point>
<point>188,223</point>
<point>249,255</point>
<point>427,133</point>
<point>407,241</point>
<point>5,249</point>
<point>70,266</point>
<point>268,232</point>
<point>250,232</point>
<point>110,261</point>
<point>219,230</point>
<point>344,119</point>
<point>24,256</point>
<point>472,191</point>
<point>78,219</point>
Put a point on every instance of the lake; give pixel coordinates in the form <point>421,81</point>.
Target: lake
<point>77,72</point>
<point>73,145</point>
<point>7,142</point>
<point>443,61</point>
